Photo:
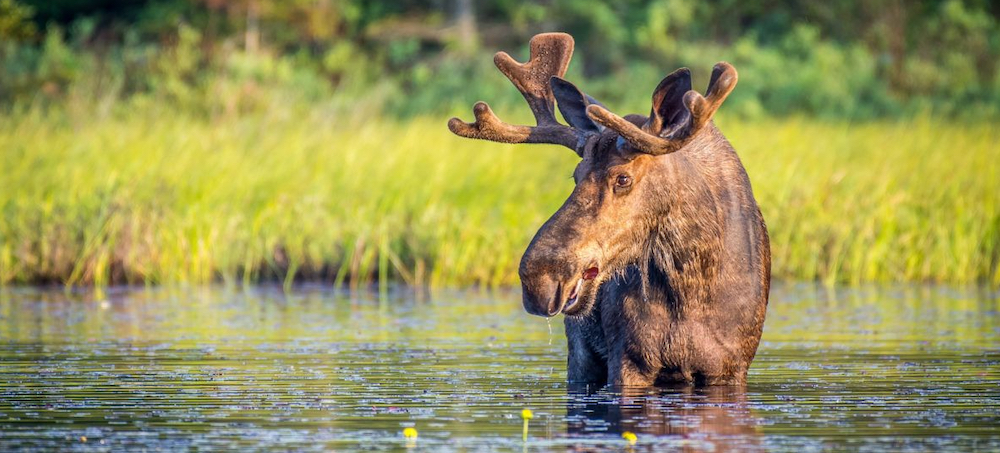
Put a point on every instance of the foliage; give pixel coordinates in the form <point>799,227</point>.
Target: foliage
<point>15,21</point>
<point>849,59</point>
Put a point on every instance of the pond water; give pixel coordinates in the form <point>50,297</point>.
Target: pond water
<point>317,368</point>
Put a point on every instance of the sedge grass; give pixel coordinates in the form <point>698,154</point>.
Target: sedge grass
<point>164,197</point>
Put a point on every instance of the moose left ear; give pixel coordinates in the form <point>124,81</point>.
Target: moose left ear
<point>669,115</point>
<point>573,104</point>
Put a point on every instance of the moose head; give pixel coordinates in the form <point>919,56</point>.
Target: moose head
<point>623,182</point>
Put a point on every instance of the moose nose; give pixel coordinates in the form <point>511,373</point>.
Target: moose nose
<point>541,296</point>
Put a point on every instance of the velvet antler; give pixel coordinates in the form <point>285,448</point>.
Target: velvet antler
<point>550,56</point>
<point>655,137</point>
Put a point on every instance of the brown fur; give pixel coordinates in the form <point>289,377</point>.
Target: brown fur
<point>685,267</point>
<point>681,246</point>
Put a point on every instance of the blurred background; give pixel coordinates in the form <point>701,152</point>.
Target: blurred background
<point>188,141</point>
<point>851,59</point>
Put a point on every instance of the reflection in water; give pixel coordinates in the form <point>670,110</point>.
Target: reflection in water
<point>686,418</point>
<point>319,369</point>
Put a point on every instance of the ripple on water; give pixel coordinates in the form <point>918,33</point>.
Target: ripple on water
<point>318,369</point>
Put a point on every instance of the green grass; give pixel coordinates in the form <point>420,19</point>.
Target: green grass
<point>163,197</point>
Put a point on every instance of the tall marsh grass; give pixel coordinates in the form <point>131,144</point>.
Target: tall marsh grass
<point>165,197</point>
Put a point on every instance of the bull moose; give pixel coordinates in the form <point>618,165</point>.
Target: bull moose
<point>660,259</point>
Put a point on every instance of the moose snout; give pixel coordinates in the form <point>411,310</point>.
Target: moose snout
<point>549,264</point>
<point>543,281</point>
<point>541,295</point>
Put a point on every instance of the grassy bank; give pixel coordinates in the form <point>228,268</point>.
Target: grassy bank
<point>162,197</point>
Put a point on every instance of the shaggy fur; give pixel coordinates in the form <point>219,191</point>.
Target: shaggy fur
<point>662,229</point>
<point>685,268</point>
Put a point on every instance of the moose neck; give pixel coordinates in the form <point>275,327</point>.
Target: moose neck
<point>687,237</point>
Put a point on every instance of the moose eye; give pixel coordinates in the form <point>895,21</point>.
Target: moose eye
<point>623,181</point>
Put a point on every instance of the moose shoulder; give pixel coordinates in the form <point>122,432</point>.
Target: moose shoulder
<point>659,259</point>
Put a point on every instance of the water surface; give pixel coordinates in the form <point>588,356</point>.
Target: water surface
<point>324,369</point>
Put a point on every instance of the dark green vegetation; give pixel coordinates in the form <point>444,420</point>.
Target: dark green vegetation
<point>899,369</point>
<point>188,141</point>
<point>855,59</point>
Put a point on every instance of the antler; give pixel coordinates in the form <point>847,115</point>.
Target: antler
<point>701,109</point>
<point>550,55</point>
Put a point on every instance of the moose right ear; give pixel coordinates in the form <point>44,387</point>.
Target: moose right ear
<point>573,104</point>
<point>670,117</point>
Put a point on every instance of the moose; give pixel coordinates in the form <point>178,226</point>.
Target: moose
<point>659,259</point>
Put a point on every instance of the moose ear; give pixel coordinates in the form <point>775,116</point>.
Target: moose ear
<point>669,114</point>
<point>573,104</point>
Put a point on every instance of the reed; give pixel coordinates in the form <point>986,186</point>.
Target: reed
<point>162,197</point>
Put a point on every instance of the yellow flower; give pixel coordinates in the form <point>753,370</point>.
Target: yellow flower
<point>527,414</point>
<point>630,437</point>
<point>410,433</point>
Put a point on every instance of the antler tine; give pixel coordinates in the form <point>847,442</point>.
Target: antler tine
<point>701,108</point>
<point>634,135</point>
<point>489,127</point>
<point>550,54</point>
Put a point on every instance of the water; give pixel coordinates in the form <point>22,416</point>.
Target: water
<point>871,369</point>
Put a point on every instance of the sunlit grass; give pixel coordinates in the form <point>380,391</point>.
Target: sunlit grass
<point>162,197</point>
<point>900,201</point>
